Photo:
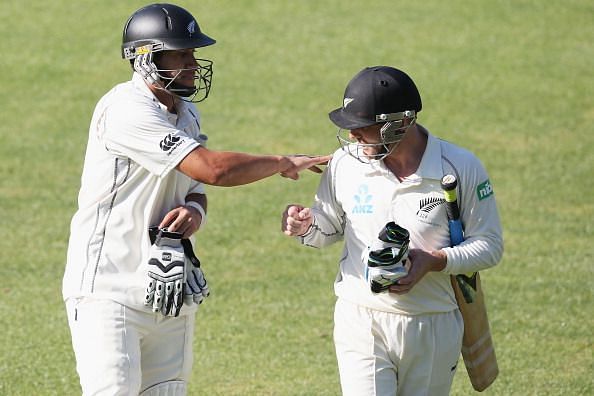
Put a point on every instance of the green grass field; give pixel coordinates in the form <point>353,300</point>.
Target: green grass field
<point>510,80</point>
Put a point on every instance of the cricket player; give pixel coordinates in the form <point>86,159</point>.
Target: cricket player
<point>130,267</point>
<point>398,329</point>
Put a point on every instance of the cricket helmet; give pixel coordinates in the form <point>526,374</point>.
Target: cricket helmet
<point>377,95</point>
<point>162,27</point>
<point>165,27</point>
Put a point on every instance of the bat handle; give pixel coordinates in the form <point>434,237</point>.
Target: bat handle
<point>456,232</point>
<point>449,184</point>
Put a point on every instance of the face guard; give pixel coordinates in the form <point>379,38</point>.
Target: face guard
<point>144,65</point>
<point>391,133</point>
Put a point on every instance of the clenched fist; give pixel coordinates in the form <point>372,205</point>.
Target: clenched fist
<point>296,220</point>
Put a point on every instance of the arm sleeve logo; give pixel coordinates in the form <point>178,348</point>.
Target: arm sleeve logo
<point>484,190</point>
<point>169,143</point>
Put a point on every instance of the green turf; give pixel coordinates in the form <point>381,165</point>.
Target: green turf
<point>510,80</point>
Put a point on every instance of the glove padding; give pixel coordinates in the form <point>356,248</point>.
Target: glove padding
<point>195,286</point>
<point>166,272</point>
<point>386,258</point>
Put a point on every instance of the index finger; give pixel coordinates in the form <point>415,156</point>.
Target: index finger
<point>317,160</point>
<point>168,219</point>
<point>321,159</point>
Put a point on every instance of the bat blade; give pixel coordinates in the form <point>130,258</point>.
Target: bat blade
<point>478,350</point>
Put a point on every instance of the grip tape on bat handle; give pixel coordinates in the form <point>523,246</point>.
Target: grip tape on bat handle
<point>453,211</point>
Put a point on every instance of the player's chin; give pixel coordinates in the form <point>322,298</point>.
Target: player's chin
<point>371,154</point>
<point>186,79</point>
<point>186,83</point>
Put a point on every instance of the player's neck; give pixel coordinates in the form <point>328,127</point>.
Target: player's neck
<point>406,158</point>
<point>166,98</point>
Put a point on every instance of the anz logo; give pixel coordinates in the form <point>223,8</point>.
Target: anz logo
<point>363,199</point>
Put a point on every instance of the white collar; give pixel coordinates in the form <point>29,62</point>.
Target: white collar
<point>430,166</point>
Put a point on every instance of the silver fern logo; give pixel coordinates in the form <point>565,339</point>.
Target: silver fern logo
<point>192,28</point>
<point>426,205</point>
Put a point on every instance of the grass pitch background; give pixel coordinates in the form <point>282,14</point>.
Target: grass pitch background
<point>510,80</point>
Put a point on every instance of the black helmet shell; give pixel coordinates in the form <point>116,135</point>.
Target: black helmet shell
<point>163,27</point>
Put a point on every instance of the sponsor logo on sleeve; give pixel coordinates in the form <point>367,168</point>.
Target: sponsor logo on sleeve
<point>170,143</point>
<point>484,190</point>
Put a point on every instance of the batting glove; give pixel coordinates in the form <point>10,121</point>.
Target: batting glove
<point>195,287</point>
<point>386,258</point>
<point>166,272</point>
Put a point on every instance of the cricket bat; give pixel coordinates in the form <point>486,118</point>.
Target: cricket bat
<point>477,345</point>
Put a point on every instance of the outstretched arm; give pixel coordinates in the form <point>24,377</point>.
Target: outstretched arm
<point>227,169</point>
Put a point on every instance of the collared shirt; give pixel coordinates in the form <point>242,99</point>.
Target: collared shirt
<point>354,202</point>
<point>129,182</point>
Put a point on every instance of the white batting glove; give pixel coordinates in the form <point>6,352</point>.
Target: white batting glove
<point>166,274</point>
<point>386,258</point>
<point>195,286</point>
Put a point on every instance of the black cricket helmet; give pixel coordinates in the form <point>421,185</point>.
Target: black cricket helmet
<point>377,95</point>
<point>166,27</point>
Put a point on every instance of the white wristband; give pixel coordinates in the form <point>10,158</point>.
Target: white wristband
<point>199,208</point>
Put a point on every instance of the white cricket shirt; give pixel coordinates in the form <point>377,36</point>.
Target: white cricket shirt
<point>129,182</point>
<point>354,201</point>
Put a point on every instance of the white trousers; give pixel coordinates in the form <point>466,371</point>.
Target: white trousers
<point>121,351</point>
<point>386,354</point>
